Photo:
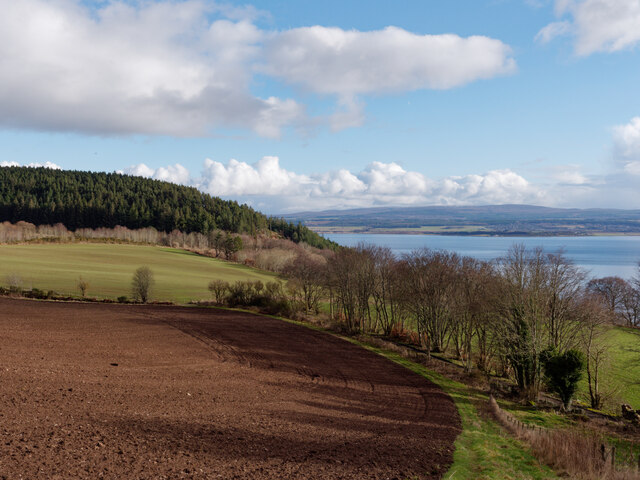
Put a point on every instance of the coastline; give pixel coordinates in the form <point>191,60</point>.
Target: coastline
<point>462,233</point>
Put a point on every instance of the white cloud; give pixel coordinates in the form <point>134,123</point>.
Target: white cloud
<point>553,30</point>
<point>632,167</point>
<point>186,67</point>
<point>569,175</point>
<point>627,138</point>
<point>348,63</point>
<point>50,165</point>
<point>627,146</point>
<point>146,68</point>
<point>271,186</point>
<point>265,177</point>
<point>172,173</point>
<point>598,25</point>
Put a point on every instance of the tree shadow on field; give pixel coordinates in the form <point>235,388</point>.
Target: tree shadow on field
<point>348,446</point>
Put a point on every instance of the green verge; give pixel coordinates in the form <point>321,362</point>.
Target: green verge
<point>180,276</point>
<point>483,450</point>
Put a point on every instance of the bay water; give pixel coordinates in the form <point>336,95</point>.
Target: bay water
<point>601,256</point>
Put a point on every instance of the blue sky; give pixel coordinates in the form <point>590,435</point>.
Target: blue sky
<point>311,105</point>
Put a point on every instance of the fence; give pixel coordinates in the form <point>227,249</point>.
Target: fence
<point>580,454</point>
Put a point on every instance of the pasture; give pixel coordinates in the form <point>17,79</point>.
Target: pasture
<point>179,275</point>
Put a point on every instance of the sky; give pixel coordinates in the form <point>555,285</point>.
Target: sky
<point>308,105</point>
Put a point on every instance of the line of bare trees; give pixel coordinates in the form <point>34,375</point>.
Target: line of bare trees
<point>498,317</point>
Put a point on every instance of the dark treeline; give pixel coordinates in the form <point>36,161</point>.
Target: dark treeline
<point>516,317</point>
<point>105,200</point>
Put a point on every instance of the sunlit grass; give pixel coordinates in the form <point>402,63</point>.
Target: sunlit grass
<point>179,275</point>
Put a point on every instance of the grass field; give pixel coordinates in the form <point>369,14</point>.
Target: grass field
<point>180,276</point>
<point>623,368</point>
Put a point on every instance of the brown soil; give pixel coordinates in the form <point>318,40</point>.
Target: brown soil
<point>114,391</point>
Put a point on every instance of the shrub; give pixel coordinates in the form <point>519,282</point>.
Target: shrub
<point>218,289</point>
<point>562,372</point>
<point>36,293</point>
<point>241,294</point>
<point>269,298</point>
<point>123,299</point>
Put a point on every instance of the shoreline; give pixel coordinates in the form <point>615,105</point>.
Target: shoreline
<point>471,234</point>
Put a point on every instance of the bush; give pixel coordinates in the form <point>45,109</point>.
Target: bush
<point>36,293</point>
<point>562,372</point>
<point>123,299</point>
<point>218,289</point>
<point>269,298</point>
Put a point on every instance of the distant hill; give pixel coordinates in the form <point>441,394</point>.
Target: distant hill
<point>94,200</point>
<point>473,220</point>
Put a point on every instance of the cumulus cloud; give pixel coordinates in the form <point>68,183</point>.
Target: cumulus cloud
<point>185,67</point>
<point>597,25</point>
<point>146,68</point>
<point>172,173</point>
<point>335,61</point>
<point>627,146</point>
<point>265,177</point>
<point>267,184</point>
<point>50,165</point>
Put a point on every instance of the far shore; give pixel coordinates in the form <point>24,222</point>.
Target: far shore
<point>445,231</point>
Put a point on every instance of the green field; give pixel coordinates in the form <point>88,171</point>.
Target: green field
<point>179,275</point>
<point>623,369</point>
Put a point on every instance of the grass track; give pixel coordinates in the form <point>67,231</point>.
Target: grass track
<point>179,275</point>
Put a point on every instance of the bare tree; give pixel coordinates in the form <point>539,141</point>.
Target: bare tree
<point>430,277</point>
<point>218,289</point>
<point>83,285</point>
<point>387,290</point>
<point>306,281</point>
<point>563,285</point>
<point>141,284</point>
<point>594,318</point>
<point>630,305</point>
<point>522,306</point>
<point>471,306</point>
<point>350,281</point>
<point>611,291</point>
<point>14,281</point>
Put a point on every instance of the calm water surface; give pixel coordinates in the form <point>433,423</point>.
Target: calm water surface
<point>601,256</point>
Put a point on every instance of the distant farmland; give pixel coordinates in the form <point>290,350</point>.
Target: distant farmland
<point>180,276</point>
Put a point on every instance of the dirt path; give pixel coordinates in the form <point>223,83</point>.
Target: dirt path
<point>111,391</point>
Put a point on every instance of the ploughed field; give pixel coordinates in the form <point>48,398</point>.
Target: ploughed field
<point>118,391</point>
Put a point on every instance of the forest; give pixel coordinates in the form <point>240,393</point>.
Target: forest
<point>93,200</point>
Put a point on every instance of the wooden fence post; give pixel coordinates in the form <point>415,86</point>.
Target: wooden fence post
<point>613,458</point>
